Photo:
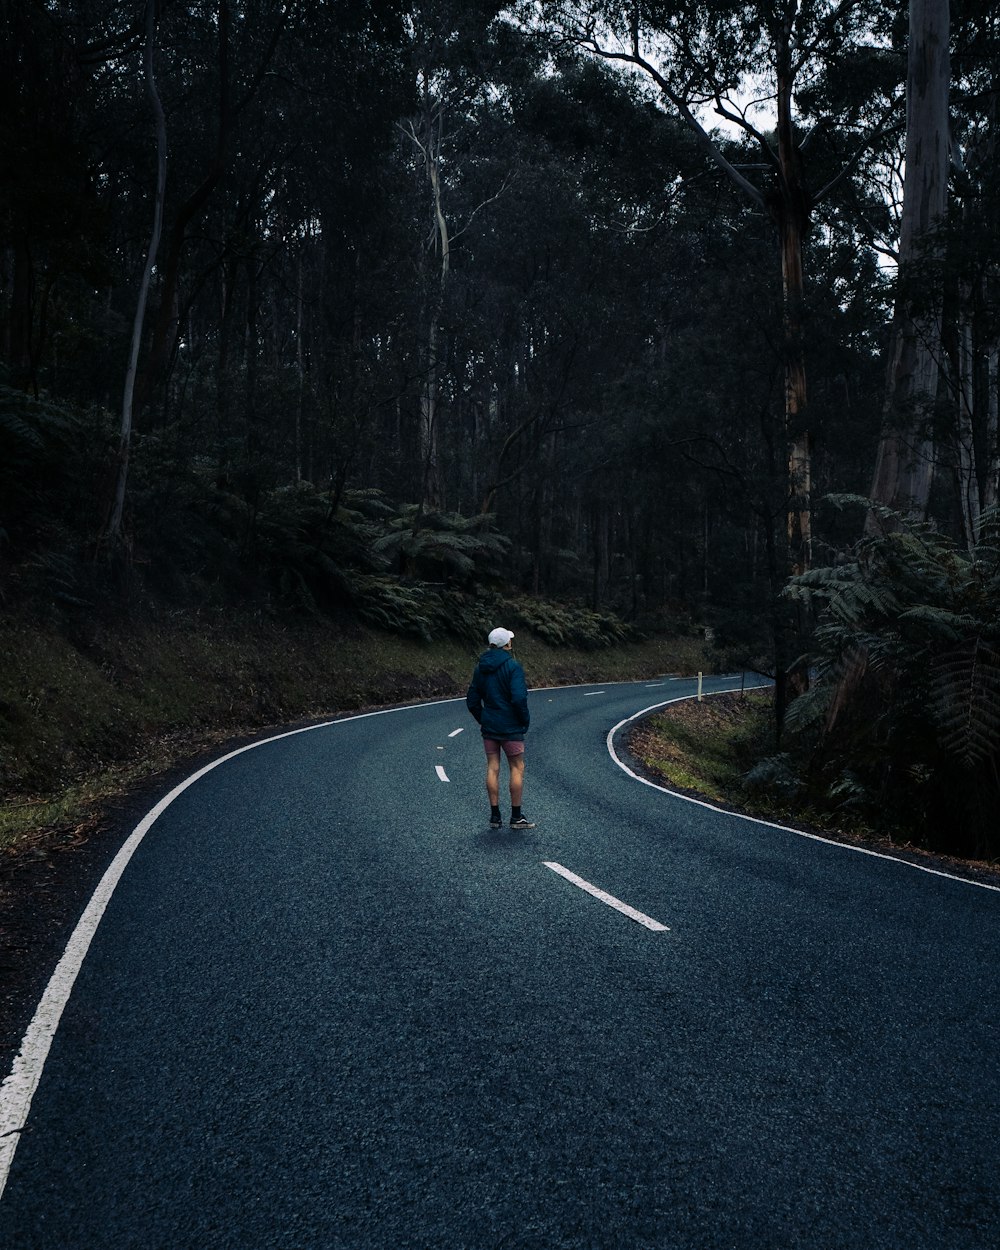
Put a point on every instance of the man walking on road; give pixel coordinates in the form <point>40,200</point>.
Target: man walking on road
<point>498,699</point>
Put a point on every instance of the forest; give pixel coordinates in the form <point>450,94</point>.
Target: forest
<point>616,314</point>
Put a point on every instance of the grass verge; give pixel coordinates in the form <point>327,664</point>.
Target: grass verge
<point>705,750</point>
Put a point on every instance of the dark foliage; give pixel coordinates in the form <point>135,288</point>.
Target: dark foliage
<point>902,721</point>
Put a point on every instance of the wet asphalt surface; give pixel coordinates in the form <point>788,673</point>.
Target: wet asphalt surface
<point>328,1007</point>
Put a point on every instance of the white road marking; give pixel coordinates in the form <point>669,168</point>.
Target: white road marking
<point>19,1088</point>
<point>610,899</point>
<point>651,685</point>
<point>441,773</point>
<point>455,732</point>
<point>755,820</point>
<point>593,692</point>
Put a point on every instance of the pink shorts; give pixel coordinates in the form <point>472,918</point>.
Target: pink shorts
<point>493,747</point>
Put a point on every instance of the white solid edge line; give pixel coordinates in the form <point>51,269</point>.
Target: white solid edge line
<point>605,897</point>
<point>770,824</point>
<point>18,1089</point>
<point>440,772</point>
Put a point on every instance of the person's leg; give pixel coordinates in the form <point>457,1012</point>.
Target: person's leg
<point>515,760</point>
<point>492,749</point>
<point>493,779</point>
<point>516,763</point>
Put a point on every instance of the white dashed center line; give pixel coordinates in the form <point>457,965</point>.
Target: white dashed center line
<point>590,694</point>
<point>611,901</point>
<point>455,732</point>
<point>441,773</point>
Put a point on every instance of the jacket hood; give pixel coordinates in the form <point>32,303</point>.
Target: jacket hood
<point>494,659</point>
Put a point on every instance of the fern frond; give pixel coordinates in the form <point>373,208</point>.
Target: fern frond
<point>774,775</point>
<point>938,622</point>
<point>965,687</point>
<point>808,709</point>
<point>19,430</point>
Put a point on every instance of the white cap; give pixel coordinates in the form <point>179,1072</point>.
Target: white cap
<point>499,637</point>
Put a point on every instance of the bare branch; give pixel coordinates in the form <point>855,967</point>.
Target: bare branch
<point>738,117</point>
<point>682,103</point>
<point>883,128</point>
<point>479,207</point>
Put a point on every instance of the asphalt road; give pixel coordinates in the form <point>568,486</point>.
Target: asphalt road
<point>328,1007</point>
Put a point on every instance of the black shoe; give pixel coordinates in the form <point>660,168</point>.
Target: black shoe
<point>522,822</point>
<point>496,822</point>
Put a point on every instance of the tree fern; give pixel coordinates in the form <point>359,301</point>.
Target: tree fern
<point>385,602</point>
<point>440,545</point>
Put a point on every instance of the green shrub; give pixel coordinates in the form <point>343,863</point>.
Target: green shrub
<point>568,626</point>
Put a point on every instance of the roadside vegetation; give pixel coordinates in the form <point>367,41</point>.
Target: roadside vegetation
<point>84,718</point>
<point>712,750</point>
<point>706,748</point>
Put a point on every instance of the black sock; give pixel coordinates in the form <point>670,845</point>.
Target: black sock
<point>515,813</point>
<point>494,813</point>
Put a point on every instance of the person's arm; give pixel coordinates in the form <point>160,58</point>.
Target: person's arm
<point>519,695</point>
<point>474,700</point>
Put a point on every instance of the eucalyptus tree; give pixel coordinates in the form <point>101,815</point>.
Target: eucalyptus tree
<point>453,76</point>
<point>904,467</point>
<point>971,252</point>
<point>114,531</point>
<point>711,57</point>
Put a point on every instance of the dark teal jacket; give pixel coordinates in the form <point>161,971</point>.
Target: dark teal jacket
<point>498,695</point>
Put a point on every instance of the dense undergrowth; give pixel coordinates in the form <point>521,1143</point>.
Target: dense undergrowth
<point>900,726</point>
<point>898,732</point>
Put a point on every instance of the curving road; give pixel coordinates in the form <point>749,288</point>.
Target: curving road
<point>328,1007</point>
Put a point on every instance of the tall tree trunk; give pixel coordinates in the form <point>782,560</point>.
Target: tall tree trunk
<point>991,486</point>
<point>114,529</point>
<point>790,210</point>
<point>301,375</point>
<point>428,143</point>
<point>790,204</point>
<point>966,476</point>
<point>779,630</point>
<point>223,379</point>
<point>904,466</point>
